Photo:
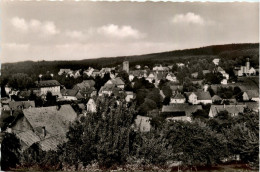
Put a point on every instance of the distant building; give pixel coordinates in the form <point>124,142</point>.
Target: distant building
<point>177,98</point>
<point>216,61</point>
<point>142,123</point>
<point>91,106</point>
<point>20,105</point>
<point>245,70</point>
<point>129,96</point>
<point>64,71</point>
<point>52,86</point>
<point>126,66</point>
<point>234,110</point>
<point>71,94</point>
<point>171,77</point>
<point>118,82</point>
<point>199,97</point>
<point>181,112</point>
<point>251,95</point>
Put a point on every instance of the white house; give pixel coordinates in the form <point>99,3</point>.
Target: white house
<point>129,96</point>
<point>171,77</point>
<point>199,97</point>
<point>216,61</point>
<point>142,123</point>
<point>52,86</point>
<point>224,82</point>
<point>91,106</point>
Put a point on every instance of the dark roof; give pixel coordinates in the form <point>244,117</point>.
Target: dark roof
<point>216,98</point>
<point>252,93</point>
<point>201,95</point>
<point>15,105</point>
<point>56,121</point>
<point>69,92</point>
<point>48,83</point>
<point>233,109</point>
<point>178,96</point>
<point>27,138</point>
<point>161,75</point>
<point>86,84</point>
<point>188,109</point>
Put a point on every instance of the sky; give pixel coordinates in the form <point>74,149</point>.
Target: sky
<point>71,30</point>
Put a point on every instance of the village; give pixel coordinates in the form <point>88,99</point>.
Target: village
<point>156,91</point>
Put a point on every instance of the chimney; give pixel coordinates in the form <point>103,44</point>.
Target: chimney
<point>43,132</point>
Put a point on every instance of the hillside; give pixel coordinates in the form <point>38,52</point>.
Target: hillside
<point>221,51</point>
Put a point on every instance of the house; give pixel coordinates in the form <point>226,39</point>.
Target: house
<point>150,78</point>
<point>142,123</point>
<point>179,111</point>
<point>95,73</point>
<point>176,88</point>
<point>64,71</point>
<point>84,85</point>
<point>44,125</point>
<point>118,82</point>
<point>180,65</point>
<point>52,86</point>
<point>160,68</point>
<point>245,70</point>
<point>91,106</point>
<point>171,77</point>
<point>129,96</point>
<point>71,94</point>
<point>89,71</point>
<point>177,98</point>
<point>20,105</point>
<point>234,110</point>
<point>216,61</point>
<point>25,94</point>
<point>224,82</point>
<point>195,75</point>
<point>137,73</point>
<point>109,89</point>
<point>199,97</point>
<point>251,95</point>
<point>216,98</point>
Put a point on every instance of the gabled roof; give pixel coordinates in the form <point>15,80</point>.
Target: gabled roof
<point>178,96</point>
<point>180,108</point>
<point>118,81</point>
<point>14,105</point>
<point>233,109</point>
<point>252,93</point>
<point>56,121</point>
<point>27,138</point>
<point>84,85</point>
<point>216,98</point>
<point>48,83</point>
<point>176,87</point>
<point>69,92</point>
<point>51,143</point>
<point>201,95</point>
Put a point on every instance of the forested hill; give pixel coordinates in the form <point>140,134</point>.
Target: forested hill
<point>222,51</point>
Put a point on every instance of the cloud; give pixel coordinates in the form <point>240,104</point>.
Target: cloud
<point>188,18</point>
<point>75,34</point>
<point>120,32</point>
<point>19,23</point>
<point>47,27</point>
<point>15,46</point>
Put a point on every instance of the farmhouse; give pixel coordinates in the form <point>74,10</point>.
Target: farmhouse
<point>234,110</point>
<point>52,86</point>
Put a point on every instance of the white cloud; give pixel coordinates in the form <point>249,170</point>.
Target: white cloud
<point>188,18</point>
<point>47,28</point>
<point>75,34</point>
<point>116,31</point>
<point>15,46</point>
<point>19,23</point>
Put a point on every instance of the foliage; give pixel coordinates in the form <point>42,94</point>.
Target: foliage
<point>10,151</point>
<point>20,81</point>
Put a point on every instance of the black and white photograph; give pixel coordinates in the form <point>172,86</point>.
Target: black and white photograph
<point>129,86</point>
